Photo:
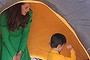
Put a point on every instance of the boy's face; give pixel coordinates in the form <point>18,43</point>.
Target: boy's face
<point>60,47</point>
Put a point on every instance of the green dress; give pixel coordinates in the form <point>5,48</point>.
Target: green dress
<point>13,42</point>
<point>0,45</point>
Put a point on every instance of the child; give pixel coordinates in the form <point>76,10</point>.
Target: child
<point>57,43</point>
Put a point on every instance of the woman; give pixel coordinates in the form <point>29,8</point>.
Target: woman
<point>15,25</point>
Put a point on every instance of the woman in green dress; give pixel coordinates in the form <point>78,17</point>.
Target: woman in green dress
<point>15,26</point>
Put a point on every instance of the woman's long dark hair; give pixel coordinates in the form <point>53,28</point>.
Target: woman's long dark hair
<point>15,18</point>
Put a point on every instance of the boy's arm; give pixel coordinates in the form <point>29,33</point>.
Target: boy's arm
<point>72,57</point>
<point>61,57</point>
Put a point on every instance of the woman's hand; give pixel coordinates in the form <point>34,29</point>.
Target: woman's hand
<point>14,58</point>
<point>18,56</point>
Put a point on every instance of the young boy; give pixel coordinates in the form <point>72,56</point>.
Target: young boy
<point>57,43</point>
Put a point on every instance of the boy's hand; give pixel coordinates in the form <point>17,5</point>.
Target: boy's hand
<point>69,47</point>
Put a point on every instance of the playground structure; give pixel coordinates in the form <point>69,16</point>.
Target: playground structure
<point>45,23</point>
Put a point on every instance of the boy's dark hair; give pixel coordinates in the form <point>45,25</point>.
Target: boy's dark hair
<point>57,39</point>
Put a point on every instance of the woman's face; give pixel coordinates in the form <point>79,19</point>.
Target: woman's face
<point>25,8</point>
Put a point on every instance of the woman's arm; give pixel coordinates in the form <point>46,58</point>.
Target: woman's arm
<point>25,34</point>
<point>5,34</point>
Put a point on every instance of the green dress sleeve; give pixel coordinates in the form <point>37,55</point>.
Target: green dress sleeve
<point>5,34</point>
<point>25,33</point>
